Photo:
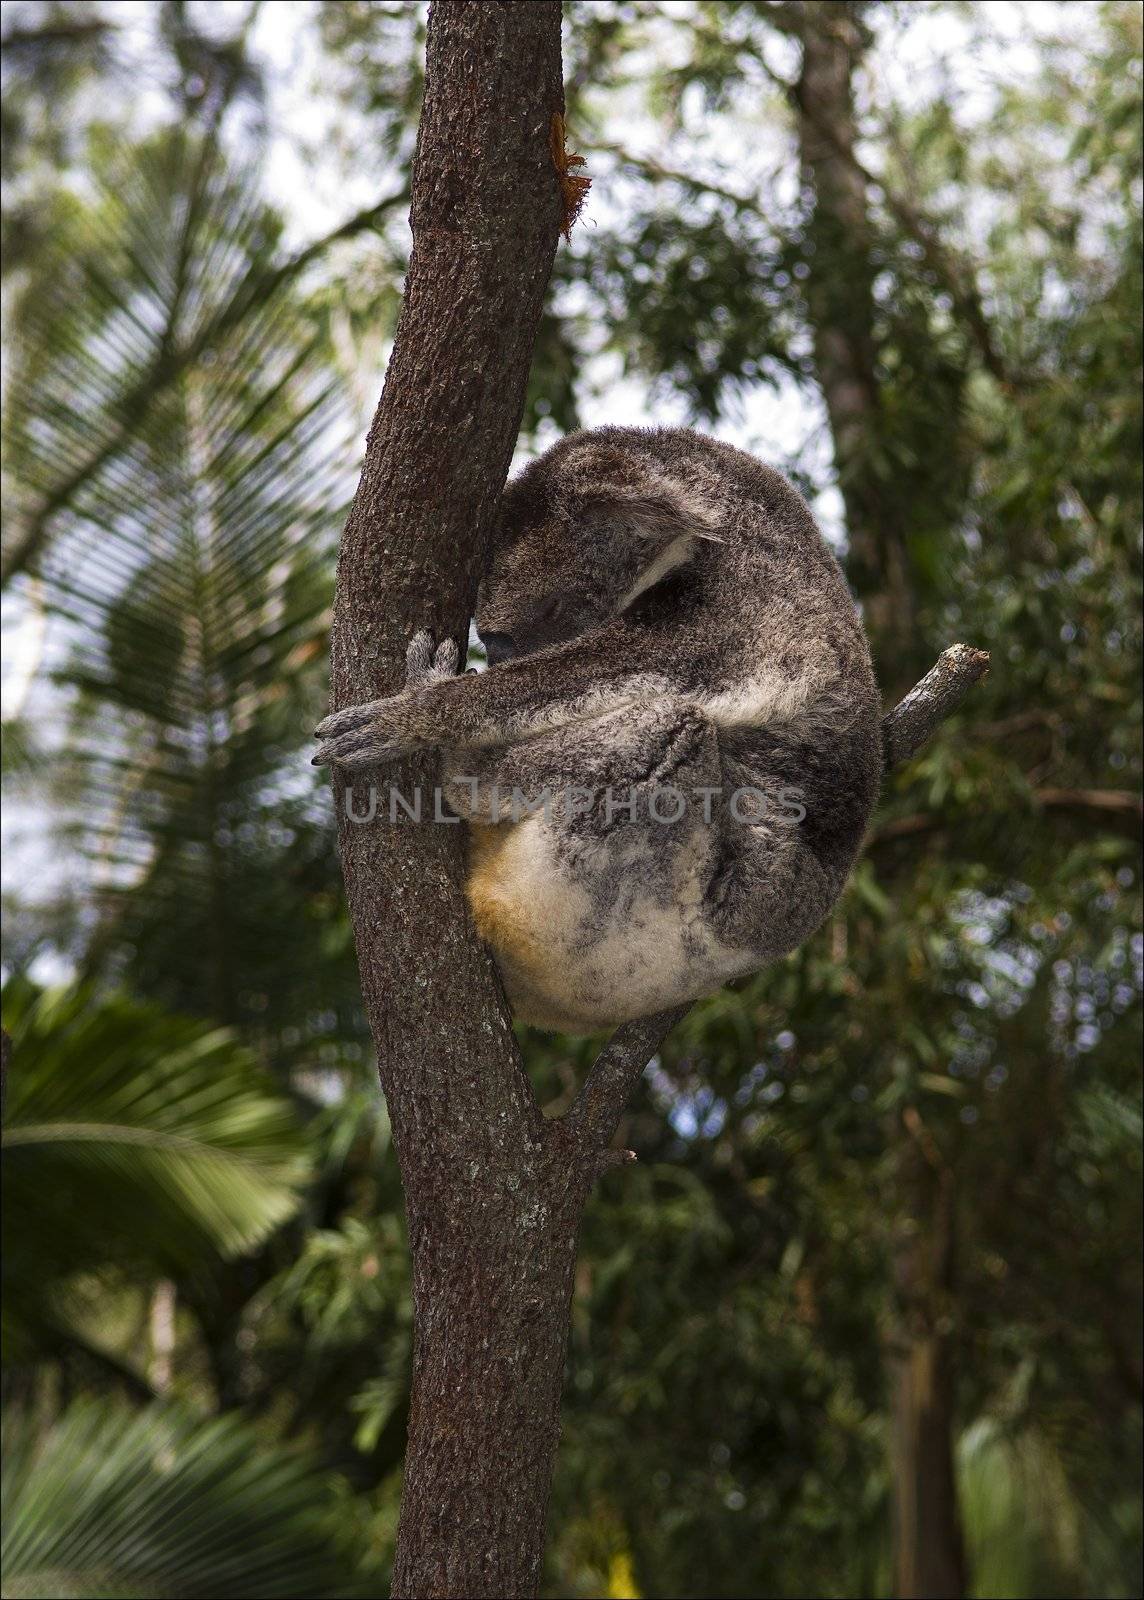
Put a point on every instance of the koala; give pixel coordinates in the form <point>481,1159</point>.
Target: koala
<point>662,619</point>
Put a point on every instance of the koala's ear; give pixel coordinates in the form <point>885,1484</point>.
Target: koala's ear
<point>662,512</point>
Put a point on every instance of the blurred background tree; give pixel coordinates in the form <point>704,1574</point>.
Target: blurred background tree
<point>866,1317</point>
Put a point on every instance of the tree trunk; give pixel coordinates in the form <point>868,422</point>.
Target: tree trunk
<point>492,1286</point>
<point>492,1201</point>
<point>840,293</point>
<point>928,1552</point>
<point>929,1555</point>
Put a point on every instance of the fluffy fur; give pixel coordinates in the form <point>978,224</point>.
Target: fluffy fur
<point>662,616</point>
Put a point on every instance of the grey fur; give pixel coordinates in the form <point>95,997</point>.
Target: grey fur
<point>668,617</point>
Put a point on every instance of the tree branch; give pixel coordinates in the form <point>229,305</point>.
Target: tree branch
<point>65,31</point>
<point>1122,809</point>
<point>656,172</point>
<point>937,696</point>
<point>596,1111</point>
<point>1122,802</point>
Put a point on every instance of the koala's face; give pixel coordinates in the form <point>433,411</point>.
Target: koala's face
<point>551,577</point>
<point>579,533</point>
<point>539,590</point>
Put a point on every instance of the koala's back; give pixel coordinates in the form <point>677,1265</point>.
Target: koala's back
<point>769,639</point>
<point>771,583</point>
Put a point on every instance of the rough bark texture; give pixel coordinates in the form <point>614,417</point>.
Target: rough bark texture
<point>492,1207</point>
<point>906,728</point>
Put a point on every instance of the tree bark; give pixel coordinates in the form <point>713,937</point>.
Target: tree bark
<point>492,1199</point>
<point>907,727</point>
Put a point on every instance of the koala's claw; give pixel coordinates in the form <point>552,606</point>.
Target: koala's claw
<point>344,721</point>
<point>360,748</point>
<point>347,732</point>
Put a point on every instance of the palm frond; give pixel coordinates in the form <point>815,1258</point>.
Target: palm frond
<point>177,458</point>
<point>134,1139</point>
<point>1023,1524</point>
<point>110,1503</point>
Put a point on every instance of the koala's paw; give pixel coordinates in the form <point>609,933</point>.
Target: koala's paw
<point>369,735</point>
<point>365,735</point>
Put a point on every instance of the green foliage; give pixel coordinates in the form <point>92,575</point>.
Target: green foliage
<point>110,1503</point>
<point>136,1143</point>
<point>173,435</point>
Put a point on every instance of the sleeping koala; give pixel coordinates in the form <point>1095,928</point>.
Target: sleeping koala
<point>664,623</point>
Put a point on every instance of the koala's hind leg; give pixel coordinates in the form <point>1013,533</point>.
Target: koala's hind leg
<point>677,822</point>
<point>768,890</point>
<point>636,802</point>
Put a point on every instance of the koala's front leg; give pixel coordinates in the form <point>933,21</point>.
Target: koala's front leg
<point>574,682</point>
<point>383,730</point>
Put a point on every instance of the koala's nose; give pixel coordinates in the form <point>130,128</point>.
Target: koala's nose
<point>498,647</point>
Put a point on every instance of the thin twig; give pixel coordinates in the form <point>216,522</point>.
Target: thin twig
<point>1119,805</point>
<point>656,172</point>
<point>615,1158</point>
<point>941,691</point>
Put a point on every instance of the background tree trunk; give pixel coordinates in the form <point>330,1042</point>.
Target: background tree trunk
<point>928,1551</point>
<point>491,1209</point>
<point>841,298</point>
